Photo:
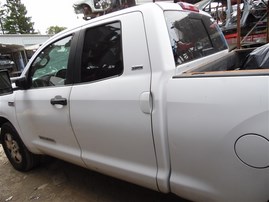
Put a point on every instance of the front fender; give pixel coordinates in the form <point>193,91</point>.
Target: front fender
<point>8,111</point>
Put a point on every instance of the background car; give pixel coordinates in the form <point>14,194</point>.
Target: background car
<point>253,20</point>
<point>6,62</point>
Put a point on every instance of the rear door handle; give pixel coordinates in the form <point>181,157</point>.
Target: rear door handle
<point>58,100</point>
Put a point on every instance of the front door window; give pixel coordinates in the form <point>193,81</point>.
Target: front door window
<point>50,66</point>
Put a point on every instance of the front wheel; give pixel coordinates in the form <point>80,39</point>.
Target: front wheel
<point>17,153</point>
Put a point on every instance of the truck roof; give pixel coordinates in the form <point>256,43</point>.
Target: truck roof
<point>146,9</point>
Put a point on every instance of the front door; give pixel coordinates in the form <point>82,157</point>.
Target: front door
<point>43,109</point>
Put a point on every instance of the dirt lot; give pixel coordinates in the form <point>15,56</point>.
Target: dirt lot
<point>59,181</point>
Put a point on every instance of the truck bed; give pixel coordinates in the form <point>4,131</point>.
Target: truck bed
<point>233,64</point>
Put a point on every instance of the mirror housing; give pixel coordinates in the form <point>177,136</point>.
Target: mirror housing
<point>21,83</point>
<point>5,83</point>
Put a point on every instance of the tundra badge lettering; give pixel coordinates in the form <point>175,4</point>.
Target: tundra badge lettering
<point>134,68</point>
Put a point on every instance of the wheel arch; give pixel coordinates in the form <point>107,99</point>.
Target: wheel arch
<point>20,157</point>
<point>2,121</point>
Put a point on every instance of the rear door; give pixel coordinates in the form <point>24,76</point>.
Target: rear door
<point>110,105</point>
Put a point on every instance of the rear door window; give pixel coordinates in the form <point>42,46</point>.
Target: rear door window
<point>102,53</point>
<point>193,36</point>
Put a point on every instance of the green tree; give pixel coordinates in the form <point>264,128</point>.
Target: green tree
<point>15,21</point>
<point>2,13</point>
<point>55,29</point>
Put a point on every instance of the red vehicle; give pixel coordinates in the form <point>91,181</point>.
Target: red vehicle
<point>253,20</point>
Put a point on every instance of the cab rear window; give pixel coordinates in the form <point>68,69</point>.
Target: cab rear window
<point>193,35</point>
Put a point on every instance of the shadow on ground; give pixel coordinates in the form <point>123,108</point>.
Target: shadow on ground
<point>59,181</point>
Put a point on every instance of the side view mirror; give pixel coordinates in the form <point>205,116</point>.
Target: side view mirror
<point>5,83</point>
<point>21,83</point>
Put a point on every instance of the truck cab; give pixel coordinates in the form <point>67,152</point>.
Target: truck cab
<point>150,95</point>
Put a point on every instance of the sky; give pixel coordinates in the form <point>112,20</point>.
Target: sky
<point>46,13</point>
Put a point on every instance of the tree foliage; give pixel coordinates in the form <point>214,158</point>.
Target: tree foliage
<point>2,13</point>
<point>15,20</point>
<point>55,29</point>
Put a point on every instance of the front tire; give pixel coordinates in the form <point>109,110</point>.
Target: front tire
<point>17,153</point>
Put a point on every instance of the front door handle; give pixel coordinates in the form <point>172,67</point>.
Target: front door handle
<point>58,100</point>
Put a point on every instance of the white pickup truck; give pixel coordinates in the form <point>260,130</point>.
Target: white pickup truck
<point>150,95</point>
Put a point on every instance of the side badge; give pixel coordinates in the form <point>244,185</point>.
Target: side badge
<point>134,68</point>
<point>11,104</point>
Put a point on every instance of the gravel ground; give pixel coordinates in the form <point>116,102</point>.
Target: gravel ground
<point>57,181</point>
